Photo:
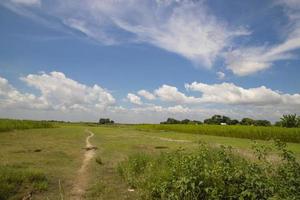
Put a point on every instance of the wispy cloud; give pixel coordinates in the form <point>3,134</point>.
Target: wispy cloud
<point>27,2</point>
<point>187,28</point>
<point>248,60</point>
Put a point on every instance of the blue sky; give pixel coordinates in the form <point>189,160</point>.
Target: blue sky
<point>194,59</point>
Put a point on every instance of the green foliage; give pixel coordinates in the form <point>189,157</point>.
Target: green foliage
<point>106,121</point>
<point>15,180</point>
<point>185,121</point>
<point>290,121</point>
<point>11,124</point>
<point>247,121</point>
<point>213,174</point>
<point>218,119</point>
<point>250,132</point>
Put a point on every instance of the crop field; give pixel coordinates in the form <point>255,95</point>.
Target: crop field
<point>86,161</point>
<point>249,132</point>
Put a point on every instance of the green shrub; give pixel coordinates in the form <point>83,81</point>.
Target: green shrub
<point>212,174</point>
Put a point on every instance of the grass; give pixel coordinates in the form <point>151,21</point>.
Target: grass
<point>59,156</point>
<point>16,181</point>
<point>61,153</point>
<point>12,124</point>
<point>236,131</point>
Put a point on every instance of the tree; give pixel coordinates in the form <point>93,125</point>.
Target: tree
<point>290,120</point>
<point>185,121</point>
<point>279,123</point>
<point>262,123</point>
<point>106,121</point>
<point>218,119</point>
<point>234,122</point>
<point>247,121</point>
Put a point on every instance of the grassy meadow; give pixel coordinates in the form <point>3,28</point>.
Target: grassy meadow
<point>46,161</point>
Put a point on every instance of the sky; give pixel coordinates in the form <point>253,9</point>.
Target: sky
<point>142,61</point>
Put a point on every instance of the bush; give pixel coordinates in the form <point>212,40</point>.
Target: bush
<point>207,174</point>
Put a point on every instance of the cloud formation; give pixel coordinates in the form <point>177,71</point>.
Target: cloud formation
<point>134,99</point>
<point>247,60</point>
<point>27,2</point>
<point>171,94</point>
<point>146,94</point>
<point>186,28</point>
<point>59,97</point>
<point>57,92</point>
<point>229,93</point>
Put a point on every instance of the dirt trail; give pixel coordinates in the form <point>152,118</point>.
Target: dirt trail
<point>81,180</point>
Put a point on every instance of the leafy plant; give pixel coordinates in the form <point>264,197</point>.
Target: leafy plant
<point>213,174</point>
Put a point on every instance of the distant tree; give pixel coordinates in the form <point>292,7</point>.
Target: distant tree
<point>289,121</point>
<point>217,119</point>
<point>247,121</point>
<point>106,121</point>
<point>185,121</point>
<point>279,123</point>
<point>234,122</point>
<point>196,122</point>
<point>172,121</point>
<point>262,123</point>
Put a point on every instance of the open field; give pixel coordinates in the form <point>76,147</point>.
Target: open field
<point>53,157</point>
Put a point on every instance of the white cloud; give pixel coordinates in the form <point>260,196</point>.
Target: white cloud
<point>187,28</point>
<point>27,2</point>
<point>10,97</point>
<point>62,98</point>
<point>57,92</point>
<point>248,60</point>
<point>229,93</point>
<point>221,75</point>
<point>171,94</point>
<point>134,99</point>
<point>146,94</point>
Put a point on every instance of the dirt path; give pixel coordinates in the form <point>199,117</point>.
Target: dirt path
<point>81,181</point>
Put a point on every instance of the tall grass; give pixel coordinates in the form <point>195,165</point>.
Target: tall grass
<point>212,174</point>
<point>12,124</point>
<point>250,132</point>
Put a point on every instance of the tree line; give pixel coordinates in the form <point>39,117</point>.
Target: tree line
<point>291,120</point>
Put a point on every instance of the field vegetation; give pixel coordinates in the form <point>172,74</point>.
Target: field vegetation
<point>213,174</point>
<point>236,131</point>
<point>12,124</point>
<point>145,161</point>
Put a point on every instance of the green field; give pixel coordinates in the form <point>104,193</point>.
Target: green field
<point>237,131</point>
<point>46,161</point>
